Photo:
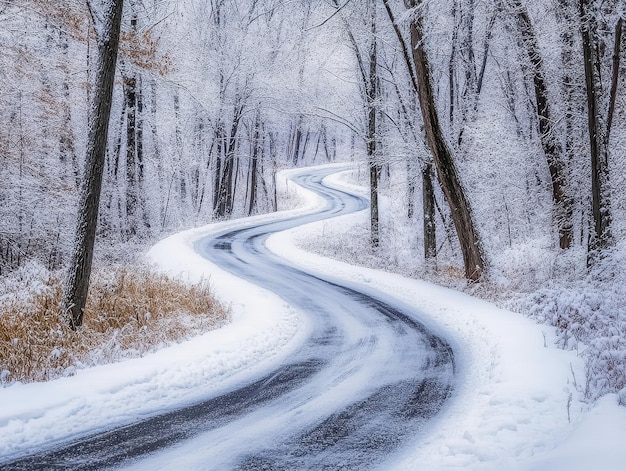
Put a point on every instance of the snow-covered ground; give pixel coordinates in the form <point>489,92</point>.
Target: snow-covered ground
<point>517,406</point>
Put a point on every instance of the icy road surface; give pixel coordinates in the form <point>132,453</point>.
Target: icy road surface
<point>366,379</point>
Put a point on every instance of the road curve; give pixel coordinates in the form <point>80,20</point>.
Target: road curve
<point>367,379</point>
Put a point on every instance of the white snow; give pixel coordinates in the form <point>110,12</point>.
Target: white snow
<point>516,406</point>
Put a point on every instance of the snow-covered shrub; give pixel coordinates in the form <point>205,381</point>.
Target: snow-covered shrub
<point>586,306</point>
<point>589,316</point>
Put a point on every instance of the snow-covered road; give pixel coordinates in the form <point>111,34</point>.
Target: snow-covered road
<point>279,388</point>
<point>367,377</point>
<point>373,374</point>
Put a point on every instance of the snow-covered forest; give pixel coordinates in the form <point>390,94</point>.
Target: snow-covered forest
<point>492,135</point>
<point>210,99</point>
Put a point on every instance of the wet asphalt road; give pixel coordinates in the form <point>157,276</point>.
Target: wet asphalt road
<point>365,382</point>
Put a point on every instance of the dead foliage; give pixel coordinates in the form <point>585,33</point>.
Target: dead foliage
<point>72,19</point>
<point>128,314</point>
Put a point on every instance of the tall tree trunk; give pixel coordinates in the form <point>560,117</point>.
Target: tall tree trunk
<point>225,194</point>
<point>296,140</point>
<point>256,144</point>
<point>567,17</point>
<point>460,209</point>
<point>141,165</point>
<point>136,216</point>
<point>66,134</point>
<point>369,82</point>
<point>236,172</point>
<point>219,139</point>
<point>206,179</point>
<point>156,147</point>
<point>428,194</point>
<point>600,201</point>
<point>226,184</point>
<point>430,228</point>
<point>617,47</point>
<point>411,173</point>
<point>273,157</point>
<point>452,62</point>
<point>467,48</point>
<point>549,141</point>
<point>77,282</point>
<point>374,166</point>
<point>130,94</point>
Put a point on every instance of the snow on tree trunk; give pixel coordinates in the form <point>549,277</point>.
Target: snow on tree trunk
<point>77,282</point>
<point>374,166</point>
<point>549,140</point>
<point>598,145</point>
<point>460,209</point>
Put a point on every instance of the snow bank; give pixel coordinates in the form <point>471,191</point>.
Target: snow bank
<point>517,406</point>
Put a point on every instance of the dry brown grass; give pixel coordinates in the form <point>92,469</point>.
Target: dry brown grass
<point>128,314</point>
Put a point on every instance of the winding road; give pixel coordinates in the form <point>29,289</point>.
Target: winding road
<point>366,381</point>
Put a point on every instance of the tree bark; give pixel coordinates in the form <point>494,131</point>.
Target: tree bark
<point>430,228</point>
<point>549,142</point>
<point>77,282</point>
<point>219,139</point>
<point>460,209</point>
<point>570,66</point>
<point>225,194</point>
<point>428,196</point>
<point>617,45</point>
<point>256,143</point>
<point>600,208</point>
<point>130,94</point>
<point>66,134</point>
<point>374,167</point>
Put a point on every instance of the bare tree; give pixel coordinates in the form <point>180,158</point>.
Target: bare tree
<point>257,150</point>
<point>471,248</point>
<point>599,123</point>
<point>77,282</point>
<point>368,75</point>
<point>371,92</point>
<point>428,193</point>
<point>547,133</point>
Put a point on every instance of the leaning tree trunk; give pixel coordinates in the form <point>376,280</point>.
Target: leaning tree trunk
<point>549,142</point>
<point>471,248</point>
<point>428,195</point>
<point>617,51</point>
<point>77,282</point>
